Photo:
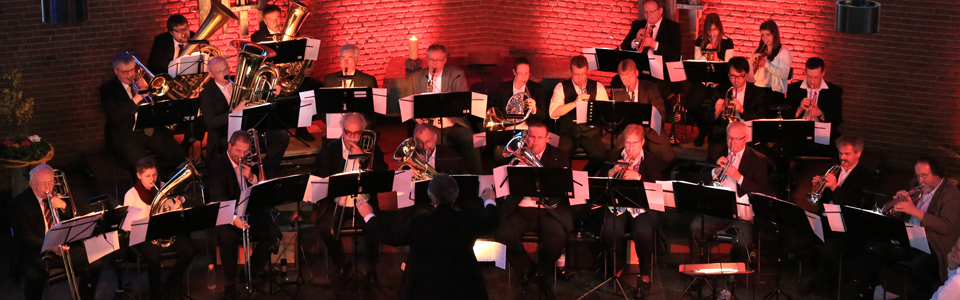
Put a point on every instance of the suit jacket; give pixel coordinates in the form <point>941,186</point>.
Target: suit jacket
<point>221,180</point>
<point>658,144</point>
<point>215,111</point>
<point>651,166</point>
<point>25,217</point>
<point>447,160</point>
<point>330,160</point>
<point>941,223</point>
<point>830,102</point>
<point>441,263</point>
<point>360,79</point>
<point>754,167</point>
<point>119,109</point>
<point>505,91</point>
<point>161,53</point>
<point>452,79</point>
<point>555,158</point>
<point>754,101</point>
<point>850,193</point>
<point>261,35</point>
<point>668,36</point>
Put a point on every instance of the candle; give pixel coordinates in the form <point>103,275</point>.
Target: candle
<point>413,48</point>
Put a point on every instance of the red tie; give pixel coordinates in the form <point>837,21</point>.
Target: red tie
<point>46,213</point>
<point>181,47</point>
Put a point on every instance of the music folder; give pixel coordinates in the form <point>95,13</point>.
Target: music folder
<point>707,200</point>
<point>443,105</point>
<point>271,193</point>
<point>608,60</point>
<point>279,115</point>
<point>787,214</point>
<point>164,113</point>
<point>172,223</point>
<point>547,182</point>
<point>344,100</point>
<point>707,71</point>
<point>876,227</point>
<point>779,130</point>
<point>610,192</point>
<point>618,114</point>
<point>293,50</point>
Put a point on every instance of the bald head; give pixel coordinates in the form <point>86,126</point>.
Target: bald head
<point>219,68</point>
<point>736,136</point>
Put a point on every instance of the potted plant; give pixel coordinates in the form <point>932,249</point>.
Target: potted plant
<point>18,149</point>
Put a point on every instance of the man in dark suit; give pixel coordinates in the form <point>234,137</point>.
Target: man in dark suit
<point>170,44</point>
<point>349,76</point>
<point>521,83</point>
<point>441,263</point>
<point>271,25</point>
<point>747,101</point>
<point>29,217</point>
<point>439,77</point>
<point>815,99</point>
<point>656,35</point>
<point>119,100</point>
<point>441,158</point>
<point>563,106</point>
<point>746,171</point>
<point>520,215</point>
<point>642,166</point>
<point>938,211</point>
<point>215,105</point>
<point>224,185</point>
<point>646,92</point>
<point>332,213</point>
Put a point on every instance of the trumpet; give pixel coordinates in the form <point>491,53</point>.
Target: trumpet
<point>718,182</point>
<point>62,191</point>
<point>757,56</point>
<point>407,156</point>
<point>516,106</point>
<point>623,170</point>
<point>729,113</point>
<point>914,193</point>
<point>517,147</point>
<point>814,196</point>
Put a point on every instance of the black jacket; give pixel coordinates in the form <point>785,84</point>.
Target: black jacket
<point>505,91</point>
<point>261,35</point>
<point>360,79</point>
<point>850,193</point>
<point>161,53</point>
<point>830,102</point>
<point>330,160</point>
<point>215,116</point>
<point>25,217</point>
<point>221,182</point>
<point>555,158</point>
<point>668,36</point>
<point>119,109</point>
<point>754,167</point>
<point>441,263</point>
<point>754,103</point>
<point>650,167</point>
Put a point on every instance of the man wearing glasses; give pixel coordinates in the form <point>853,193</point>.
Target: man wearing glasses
<point>168,45</point>
<point>747,101</point>
<point>348,76</point>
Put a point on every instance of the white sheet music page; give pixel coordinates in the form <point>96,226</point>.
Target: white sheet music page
<point>234,122</point>
<point>676,71</point>
<point>311,95</point>
<point>834,218</point>
<point>918,238</point>
<point>656,66</point>
<point>501,184</point>
<point>581,188</point>
<point>654,193</point>
<point>553,139</point>
<point>380,100</point>
<point>490,251</point>
<point>138,232</point>
<point>821,133</point>
<point>656,120</point>
<point>132,212</point>
<point>816,224</point>
<point>486,181</point>
<point>100,245</point>
<point>479,139</point>
<point>312,50</point>
<point>401,183</point>
<point>478,105</point>
<point>406,108</point>
<point>591,55</point>
<point>582,112</point>
<point>308,108</point>
<point>334,131</point>
<point>668,196</point>
<point>244,200</point>
<point>226,211</point>
<point>318,188</point>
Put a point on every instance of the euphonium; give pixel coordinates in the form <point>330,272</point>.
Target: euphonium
<point>517,147</point>
<point>407,156</point>
<point>913,195</point>
<point>729,113</point>
<point>516,106</point>
<point>814,196</point>
<point>62,190</point>
<point>252,74</point>
<point>163,202</point>
<point>292,74</point>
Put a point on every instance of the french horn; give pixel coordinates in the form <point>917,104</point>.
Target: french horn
<point>516,112</point>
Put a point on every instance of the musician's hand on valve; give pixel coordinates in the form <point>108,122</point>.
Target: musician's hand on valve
<point>733,173</point>
<point>762,62</point>
<point>737,106</point>
<point>907,206</point>
<point>583,97</point>
<point>57,202</point>
<point>532,104</point>
<point>142,84</point>
<point>631,175</point>
<point>831,181</point>
<point>718,107</point>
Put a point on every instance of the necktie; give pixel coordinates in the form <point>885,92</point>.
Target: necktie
<point>131,91</point>
<point>180,49</point>
<point>46,213</point>
<point>630,94</point>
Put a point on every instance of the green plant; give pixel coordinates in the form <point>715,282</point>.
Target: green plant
<point>15,108</point>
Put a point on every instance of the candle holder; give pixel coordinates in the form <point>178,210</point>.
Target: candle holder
<point>413,65</point>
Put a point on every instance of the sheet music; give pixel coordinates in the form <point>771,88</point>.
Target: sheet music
<point>656,66</point>
<point>132,213</point>
<point>486,181</point>
<point>654,193</point>
<point>581,188</point>
<point>656,119</point>
<point>668,195</point>
<point>100,245</point>
<point>676,71</point>
<point>501,185</point>
<point>744,208</point>
<point>308,108</point>
<point>821,133</point>
<point>918,238</point>
<point>401,184</point>
<point>816,224</point>
<point>70,231</point>
<point>244,200</point>
<point>479,139</point>
<point>478,105</point>
<point>226,211</point>
<point>312,50</point>
<point>234,122</point>
<point>318,188</point>
<point>406,108</point>
<point>591,55</point>
<point>832,211</point>
<point>334,131</point>
<point>138,234</point>
<point>188,64</point>
<point>311,95</point>
<point>490,251</point>
<point>582,112</point>
<point>380,100</point>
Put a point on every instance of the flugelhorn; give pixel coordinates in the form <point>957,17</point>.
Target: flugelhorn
<point>757,56</point>
<point>254,75</point>
<point>516,112</point>
<point>408,157</point>
<point>913,195</point>
<point>62,191</point>
<point>163,202</point>
<point>517,147</point>
<point>814,196</point>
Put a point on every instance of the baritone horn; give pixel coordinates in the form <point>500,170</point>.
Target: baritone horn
<point>163,202</point>
<point>255,77</point>
<point>517,147</point>
<point>408,157</point>
<point>516,112</point>
<point>814,196</point>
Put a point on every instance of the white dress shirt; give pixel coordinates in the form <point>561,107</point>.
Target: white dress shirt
<point>635,166</point>
<point>132,199</point>
<point>843,175</point>
<point>349,166</point>
<point>814,94</point>
<point>950,289</point>
<point>176,48</point>
<point>531,201</point>
<point>432,160</point>
<point>655,29</point>
<point>775,74</point>
<point>227,91</point>
<point>558,96</point>
<point>924,203</point>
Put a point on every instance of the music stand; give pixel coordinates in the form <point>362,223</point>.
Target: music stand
<point>343,100</point>
<point>469,186</point>
<point>783,132</point>
<point>287,51</point>
<point>780,213</point>
<point>442,105</point>
<point>165,113</point>
<point>614,116</point>
<point>703,201</point>
<point>616,193</point>
<point>279,115</point>
<point>608,60</point>
<point>707,71</point>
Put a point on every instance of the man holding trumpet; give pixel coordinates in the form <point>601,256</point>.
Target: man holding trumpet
<point>563,106</point>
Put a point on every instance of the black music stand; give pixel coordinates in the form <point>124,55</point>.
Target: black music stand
<point>616,193</point>
<point>614,116</point>
<point>707,71</point>
<point>608,60</point>
<point>780,213</point>
<point>165,113</point>
<point>343,100</point>
<point>279,115</point>
<point>287,51</point>
<point>703,201</point>
<point>442,105</point>
<point>783,132</point>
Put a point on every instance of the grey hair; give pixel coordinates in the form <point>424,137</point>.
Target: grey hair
<point>737,125</point>
<point>347,116</point>
<point>424,126</point>
<point>633,129</point>
<point>122,58</point>
<point>350,47</point>
<point>443,189</point>
<point>38,168</point>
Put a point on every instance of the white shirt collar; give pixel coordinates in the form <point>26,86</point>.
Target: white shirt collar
<point>523,88</point>
<point>823,85</point>
<point>636,162</point>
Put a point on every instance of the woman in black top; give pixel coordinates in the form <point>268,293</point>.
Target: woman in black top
<point>712,45</point>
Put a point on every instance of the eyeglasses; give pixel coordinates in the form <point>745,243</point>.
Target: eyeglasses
<point>437,60</point>
<point>651,11</point>
<point>185,29</point>
<point>737,77</point>
<point>923,176</point>
<point>729,138</point>
<point>347,132</point>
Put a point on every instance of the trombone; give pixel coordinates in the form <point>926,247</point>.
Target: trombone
<point>62,190</point>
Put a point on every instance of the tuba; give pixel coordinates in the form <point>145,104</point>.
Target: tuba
<point>62,190</point>
<point>163,203</point>
<point>292,74</point>
<point>407,156</point>
<point>814,196</point>
<point>254,74</point>
<point>219,15</point>
<point>517,111</point>
<point>517,147</point>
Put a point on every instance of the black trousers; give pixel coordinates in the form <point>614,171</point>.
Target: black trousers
<point>553,238</point>
<point>266,234</point>
<point>33,271</point>
<point>922,269</point>
<point>132,146</point>
<point>332,215</point>
<point>150,253</point>
<point>580,135</point>
<point>643,231</point>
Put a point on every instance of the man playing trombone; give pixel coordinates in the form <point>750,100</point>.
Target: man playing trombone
<point>30,217</point>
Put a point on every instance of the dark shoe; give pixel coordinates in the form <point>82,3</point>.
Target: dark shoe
<point>303,134</point>
<point>698,142</point>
